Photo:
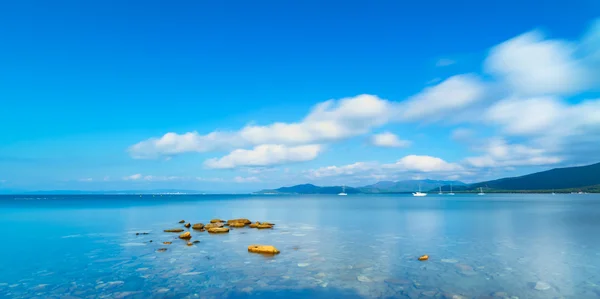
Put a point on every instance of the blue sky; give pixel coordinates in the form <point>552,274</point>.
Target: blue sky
<point>447,90</point>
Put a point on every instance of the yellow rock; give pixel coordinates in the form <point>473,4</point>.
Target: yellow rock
<point>423,258</point>
<point>242,220</point>
<point>213,225</point>
<point>167,243</point>
<point>218,230</point>
<point>174,230</point>
<point>187,225</point>
<point>268,223</point>
<point>268,249</point>
<point>237,224</point>
<point>185,235</point>
<point>190,243</point>
<point>216,220</point>
<point>255,224</point>
<point>198,226</point>
<point>262,225</point>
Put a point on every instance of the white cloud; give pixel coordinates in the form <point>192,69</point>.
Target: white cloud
<point>264,155</point>
<point>444,62</point>
<point>251,179</point>
<point>86,180</point>
<point>133,177</point>
<point>499,153</point>
<point>418,163</point>
<point>451,95</point>
<point>345,170</point>
<point>387,139</point>
<point>532,65</point>
<point>327,121</point>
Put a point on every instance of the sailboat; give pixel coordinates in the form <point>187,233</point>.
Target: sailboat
<point>440,191</point>
<point>419,193</point>
<point>343,193</point>
<point>480,191</point>
<point>451,193</point>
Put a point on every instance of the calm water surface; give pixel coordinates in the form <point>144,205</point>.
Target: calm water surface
<point>508,246</point>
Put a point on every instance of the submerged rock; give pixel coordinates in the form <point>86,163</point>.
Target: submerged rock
<point>196,242</point>
<point>263,226</point>
<point>190,243</point>
<point>268,249</point>
<point>181,221</point>
<point>542,286</point>
<point>216,220</point>
<point>174,230</point>
<point>363,278</point>
<point>237,224</point>
<point>218,230</point>
<point>137,234</point>
<point>161,250</point>
<point>198,226</point>
<point>185,235</point>
<point>187,225</point>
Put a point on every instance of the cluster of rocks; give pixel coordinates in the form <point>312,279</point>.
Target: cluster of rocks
<point>218,226</point>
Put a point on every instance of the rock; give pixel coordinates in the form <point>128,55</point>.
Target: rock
<point>161,250</point>
<point>181,221</point>
<point>216,221</point>
<point>190,243</point>
<point>423,258</point>
<point>167,243</point>
<point>198,226</point>
<point>240,220</point>
<point>268,249</point>
<point>137,234</point>
<point>173,230</point>
<point>255,224</point>
<point>542,286</point>
<point>363,278</point>
<point>213,225</point>
<point>185,235</point>
<point>196,242</point>
<point>150,241</point>
<point>187,225</point>
<point>237,224</point>
<point>263,226</point>
<point>218,230</point>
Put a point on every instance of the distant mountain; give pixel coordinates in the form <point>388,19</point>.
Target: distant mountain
<point>584,178</point>
<point>309,189</point>
<point>381,187</point>
<point>408,186</point>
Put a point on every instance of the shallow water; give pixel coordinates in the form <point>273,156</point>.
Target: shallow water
<point>331,247</point>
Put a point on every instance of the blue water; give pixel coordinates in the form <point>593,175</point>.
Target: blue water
<point>508,246</point>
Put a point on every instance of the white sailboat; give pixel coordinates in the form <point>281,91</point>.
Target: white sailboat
<point>480,191</point>
<point>440,191</point>
<point>419,193</point>
<point>451,193</point>
<point>343,193</point>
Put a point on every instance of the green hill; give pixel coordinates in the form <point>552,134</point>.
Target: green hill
<point>568,179</point>
<point>309,189</point>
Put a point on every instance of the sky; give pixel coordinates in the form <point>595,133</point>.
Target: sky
<point>238,96</point>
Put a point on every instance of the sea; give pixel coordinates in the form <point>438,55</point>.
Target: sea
<point>355,246</point>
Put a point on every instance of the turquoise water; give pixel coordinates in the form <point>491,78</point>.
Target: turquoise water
<point>525,246</point>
